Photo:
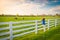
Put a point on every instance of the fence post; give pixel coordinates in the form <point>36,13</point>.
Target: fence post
<point>36,27</point>
<point>48,24</point>
<point>11,34</point>
<point>44,28</point>
<point>55,22</point>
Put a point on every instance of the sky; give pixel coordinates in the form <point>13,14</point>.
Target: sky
<point>29,7</point>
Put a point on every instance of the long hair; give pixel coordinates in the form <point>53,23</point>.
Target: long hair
<point>43,19</point>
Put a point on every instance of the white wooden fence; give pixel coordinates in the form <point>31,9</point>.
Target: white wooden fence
<point>28,26</point>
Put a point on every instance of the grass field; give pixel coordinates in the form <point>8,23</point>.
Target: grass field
<point>12,18</point>
<point>53,34</point>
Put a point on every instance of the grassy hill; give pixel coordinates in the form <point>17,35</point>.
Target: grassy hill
<point>52,34</point>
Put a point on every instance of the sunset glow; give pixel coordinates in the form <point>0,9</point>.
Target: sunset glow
<point>28,7</point>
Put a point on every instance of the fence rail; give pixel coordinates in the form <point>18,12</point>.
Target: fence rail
<point>24,27</point>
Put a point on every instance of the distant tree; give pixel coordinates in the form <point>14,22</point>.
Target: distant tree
<point>16,16</point>
<point>43,15</point>
<point>37,14</point>
<point>32,15</point>
<point>57,14</point>
<point>2,14</point>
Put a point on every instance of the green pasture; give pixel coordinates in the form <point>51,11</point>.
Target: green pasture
<point>52,34</point>
<point>48,35</point>
<point>19,18</point>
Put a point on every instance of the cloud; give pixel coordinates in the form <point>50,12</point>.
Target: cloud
<point>54,0</point>
<point>54,10</point>
<point>12,7</point>
<point>22,9</point>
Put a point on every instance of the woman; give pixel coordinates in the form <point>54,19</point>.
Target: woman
<point>43,24</point>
